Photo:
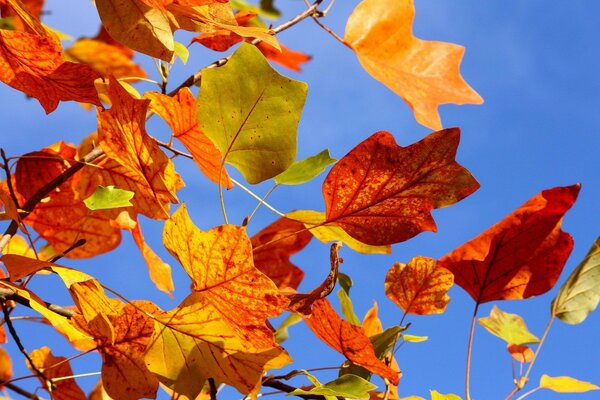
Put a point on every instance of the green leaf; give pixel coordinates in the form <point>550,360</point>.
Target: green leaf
<point>251,113</point>
<point>414,338</point>
<point>345,281</point>
<point>509,327</point>
<point>267,10</point>
<point>566,384</point>
<point>580,294</point>
<point>435,395</point>
<point>182,52</point>
<point>348,386</point>
<point>281,334</point>
<point>347,307</point>
<point>303,171</point>
<point>106,198</point>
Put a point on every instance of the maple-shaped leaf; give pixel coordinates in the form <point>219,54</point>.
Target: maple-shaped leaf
<point>347,339</point>
<point>53,368</point>
<point>142,167</point>
<point>509,327</point>
<point>382,193</point>
<point>519,257</point>
<point>221,267</point>
<point>424,73</point>
<point>194,342</point>
<point>179,112</point>
<point>419,287</point>
<point>255,124</point>
<point>62,218</point>
<point>34,65</point>
<point>273,247</point>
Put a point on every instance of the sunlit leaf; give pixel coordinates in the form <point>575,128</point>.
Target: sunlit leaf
<point>519,257</point>
<point>419,287</point>
<point>435,395</point>
<point>414,338</point>
<point>347,386</point>
<point>580,294</point>
<point>282,333</point>
<point>381,193</point>
<point>566,384</point>
<point>255,125</point>
<point>160,272</point>
<point>522,354</point>
<point>106,198</point>
<point>509,327</point>
<point>182,52</point>
<point>57,367</point>
<point>6,371</point>
<point>303,171</point>
<point>347,307</point>
<point>424,73</point>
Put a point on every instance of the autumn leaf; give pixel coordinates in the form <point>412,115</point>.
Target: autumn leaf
<point>419,287</point>
<point>142,167</point>
<point>25,15</point>
<point>381,193</point>
<point>346,386</point>
<point>179,112</point>
<point>5,366</point>
<point>580,294</point>
<point>194,342</point>
<point>566,384</point>
<point>19,266</point>
<point>255,125</point>
<point>18,245</point>
<point>107,198</point>
<point>521,353</point>
<point>56,367</point>
<point>424,73</point>
<point>519,257</point>
<point>347,339</point>
<point>509,327</point>
<point>33,65</point>
<point>62,219</point>
<point>305,170</point>
<point>274,245</point>
<point>286,57</point>
<point>220,264</point>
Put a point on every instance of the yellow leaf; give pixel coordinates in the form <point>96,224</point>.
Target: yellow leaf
<point>566,384</point>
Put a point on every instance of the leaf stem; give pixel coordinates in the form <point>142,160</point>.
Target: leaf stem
<point>251,193</point>
<point>261,202</point>
<point>469,351</point>
<point>528,393</point>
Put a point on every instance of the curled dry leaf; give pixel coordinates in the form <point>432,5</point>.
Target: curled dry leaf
<point>519,257</point>
<point>381,193</point>
<point>347,339</point>
<point>424,73</point>
<point>419,287</point>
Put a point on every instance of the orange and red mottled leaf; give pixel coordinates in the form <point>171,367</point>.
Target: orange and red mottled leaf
<point>33,64</point>
<point>57,367</point>
<point>419,287</point>
<point>381,193</point>
<point>273,247</point>
<point>179,112</point>
<point>519,257</point>
<point>521,353</point>
<point>348,339</point>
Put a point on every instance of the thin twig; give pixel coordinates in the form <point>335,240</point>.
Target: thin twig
<point>251,193</point>
<point>261,202</point>
<point>11,189</point>
<point>21,391</point>
<point>213,389</point>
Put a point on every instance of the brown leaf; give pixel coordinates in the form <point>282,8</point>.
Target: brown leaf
<point>381,193</point>
<point>519,257</point>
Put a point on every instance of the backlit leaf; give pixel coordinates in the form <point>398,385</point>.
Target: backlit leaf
<point>57,367</point>
<point>347,307</point>
<point>419,287</point>
<point>414,338</point>
<point>580,294</point>
<point>509,327</point>
<point>106,198</point>
<point>274,245</point>
<point>424,73</point>
<point>347,339</point>
<point>325,232</point>
<point>303,171</point>
<point>33,64</point>
<point>566,384</point>
<point>381,193</point>
<point>282,333</point>
<point>347,386</point>
<point>522,354</point>
<point>435,395</point>
<point>179,112</point>
<point>160,272</point>
<point>519,257</point>
<point>255,125</point>
<point>6,371</point>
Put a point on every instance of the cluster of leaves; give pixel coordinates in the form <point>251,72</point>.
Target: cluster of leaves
<point>79,199</point>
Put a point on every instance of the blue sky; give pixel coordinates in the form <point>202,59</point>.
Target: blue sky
<point>535,64</point>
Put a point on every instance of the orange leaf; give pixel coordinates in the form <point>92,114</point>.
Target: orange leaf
<point>5,366</point>
<point>419,287</point>
<point>371,323</point>
<point>141,163</point>
<point>381,193</point>
<point>25,14</point>
<point>288,58</point>
<point>274,246</point>
<point>62,218</point>
<point>519,257</point>
<point>221,267</point>
<point>19,266</point>
<point>33,64</point>
<point>424,73</point>
<point>57,367</point>
<point>521,353</point>
<point>160,272</point>
<point>180,113</point>
<point>348,339</point>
